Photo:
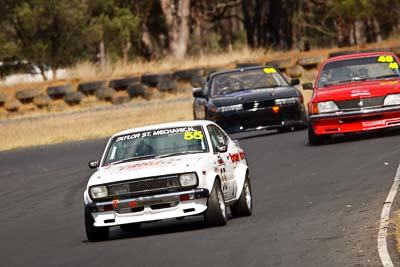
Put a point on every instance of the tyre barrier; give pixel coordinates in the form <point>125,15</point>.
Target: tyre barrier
<point>120,99</point>
<point>295,71</point>
<point>105,94</point>
<point>27,95</point>
<point>42,101</point>
<point>151,79</point>
<point>382,49</point>
<point>27,108</point>
<point>247,65</point>
<point>12,105</point>
<point>342,53</point>
<point>186,75</point>
<point>89,88</point>
<point>311,62</point>
<point>166,84</point>
<point>135,90</point>
<point>149,86</point>
<point>197,81</point>
<point>123,84</point>
<point>73,98</point>
<point>58,92</point>
<point>281,64</point>
<point>3,99</point>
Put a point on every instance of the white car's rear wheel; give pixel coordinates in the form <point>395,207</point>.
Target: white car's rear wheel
<point>216,214</point>
<point>244,205</point>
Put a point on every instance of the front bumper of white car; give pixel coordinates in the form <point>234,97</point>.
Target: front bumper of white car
<point>149,208</point>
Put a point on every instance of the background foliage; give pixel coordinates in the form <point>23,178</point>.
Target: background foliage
<point>52,34</point>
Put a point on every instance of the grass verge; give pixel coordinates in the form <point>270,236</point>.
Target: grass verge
<point>77,126</point>
<point>397,229</point>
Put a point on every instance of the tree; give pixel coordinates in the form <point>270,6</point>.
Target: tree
<point>176,14</point>
<point>46,33</point>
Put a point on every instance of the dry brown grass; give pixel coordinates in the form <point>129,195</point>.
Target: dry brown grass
<point>396,222</point>
<point>88,71</point>
<point>90,125</point>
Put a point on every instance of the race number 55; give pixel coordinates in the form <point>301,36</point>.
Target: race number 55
<point>193,135</point>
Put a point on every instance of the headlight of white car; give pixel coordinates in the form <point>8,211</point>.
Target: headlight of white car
<point>188,179</point>
<point>327,106</point>
<point>98,191</point>
<point>230,108</point>
<point>393,99</point>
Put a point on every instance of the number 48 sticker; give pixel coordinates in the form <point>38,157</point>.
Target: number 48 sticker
<point>193,135</point>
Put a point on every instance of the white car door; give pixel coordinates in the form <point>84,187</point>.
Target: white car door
<point>226,164</point>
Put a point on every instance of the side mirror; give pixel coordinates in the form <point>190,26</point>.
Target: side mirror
<point>94,164</point>
<point>236,142</point>
<point>198,92</point>
<point>222,148</point>
<point>308,86</point>
<point>294,81</point>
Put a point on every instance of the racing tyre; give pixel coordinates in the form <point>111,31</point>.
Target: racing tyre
<point>130,227</point>
<point>94,233</point>
<point>27,95</point>
<point>57,92</point>
<point>3,99</point>
<point>216,214</point>
<point>123,84</point>
<point>314,139</point>
<point>244,206</point>
<point>90,88</point>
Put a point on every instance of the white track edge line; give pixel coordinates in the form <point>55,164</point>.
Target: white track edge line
<point>384,223</point>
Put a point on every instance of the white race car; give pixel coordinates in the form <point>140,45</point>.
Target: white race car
<point>166,171</point>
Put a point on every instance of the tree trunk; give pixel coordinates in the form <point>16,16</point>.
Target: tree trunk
<point>125,52</point>
<point>102,56</point>
<point>42,72</point>
<point>177,19</point>
<point>54,71</point>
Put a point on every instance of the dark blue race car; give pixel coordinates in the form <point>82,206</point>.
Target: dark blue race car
<point>250,99</point>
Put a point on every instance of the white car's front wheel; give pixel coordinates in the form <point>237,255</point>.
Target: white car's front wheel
<point>94,233</point>
<point>216,214</point>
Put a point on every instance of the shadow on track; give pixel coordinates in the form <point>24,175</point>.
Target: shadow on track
<point>257,134</point>
<point>164,227</point>
<point>360,136</point>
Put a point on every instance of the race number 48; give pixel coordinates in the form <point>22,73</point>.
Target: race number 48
<point>193,135</point>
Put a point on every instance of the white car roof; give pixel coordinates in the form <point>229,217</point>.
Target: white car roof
<point>165,125</point>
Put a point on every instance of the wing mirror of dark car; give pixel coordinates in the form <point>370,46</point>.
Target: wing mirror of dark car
<point>198,92</point>
<point>222,148</point>
<point>94,164</point>
<point>307,86</point>
<point>294,81</point>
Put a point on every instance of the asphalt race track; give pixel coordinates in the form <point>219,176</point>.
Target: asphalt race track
<point>313,206</point>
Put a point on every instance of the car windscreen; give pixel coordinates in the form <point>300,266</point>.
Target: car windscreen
<point>359,69</point>
<point>156,143</point>
<point>227,83</point>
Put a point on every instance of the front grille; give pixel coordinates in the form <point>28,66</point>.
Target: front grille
<point>143,186</point>
<point>259,104</point>
<point>362,103</point>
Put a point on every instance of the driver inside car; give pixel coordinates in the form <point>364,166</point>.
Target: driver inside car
<point>138,148</point>
<point>143,149</point>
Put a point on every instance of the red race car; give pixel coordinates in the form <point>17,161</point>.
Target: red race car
<point>354,93</point>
